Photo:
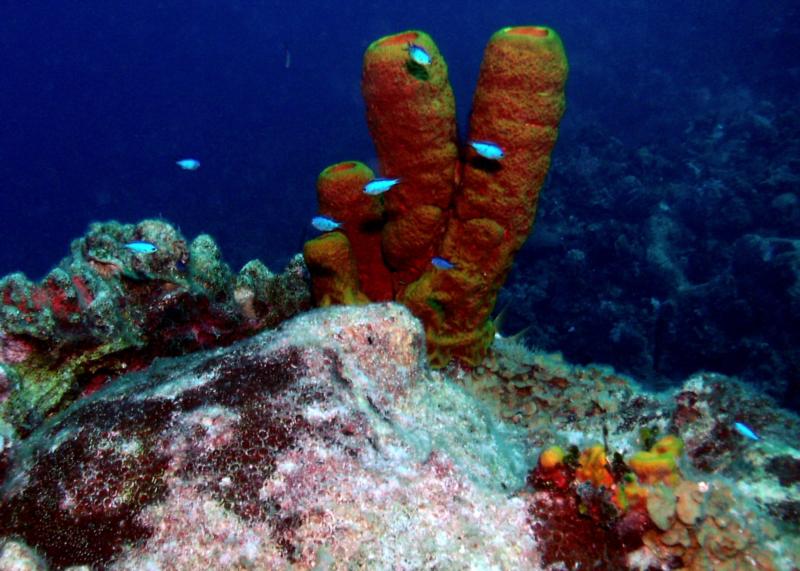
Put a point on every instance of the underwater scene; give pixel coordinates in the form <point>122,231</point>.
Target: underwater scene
<point>400,285</point>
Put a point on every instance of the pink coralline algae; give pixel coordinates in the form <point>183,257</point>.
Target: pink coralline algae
<point>321,445</point>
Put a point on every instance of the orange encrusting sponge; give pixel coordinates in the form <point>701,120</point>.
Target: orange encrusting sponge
<point>340,194</point>
<point>411,116</point>
<point>593,467</point>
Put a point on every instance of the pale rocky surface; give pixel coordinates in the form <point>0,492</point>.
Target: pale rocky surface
<point>329,444</point>
<point>325,444</point>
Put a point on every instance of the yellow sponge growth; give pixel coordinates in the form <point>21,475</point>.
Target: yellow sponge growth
<point>551,457</point>
<point>660,463</point>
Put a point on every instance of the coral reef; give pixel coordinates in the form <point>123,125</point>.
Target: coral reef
<point>668,256</point>
<point>581,521</point>
<point>107,309</point>
<point>475,212</point>
<point>330,444</point>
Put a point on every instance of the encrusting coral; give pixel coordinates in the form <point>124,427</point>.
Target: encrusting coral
<point>470,210</point>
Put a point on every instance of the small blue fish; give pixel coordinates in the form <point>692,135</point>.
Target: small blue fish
<point>746,431</point>
<point>188,164</point>
<point>139,247</point>
<point>442,264</point>
<point>379,185</point>
<point>325,223</point>
<point>488,150</point>
<point>419,54</point>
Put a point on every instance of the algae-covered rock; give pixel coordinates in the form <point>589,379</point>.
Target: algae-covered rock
<point>323,440</point>
<point>207,269</point>
<point>128,293</point>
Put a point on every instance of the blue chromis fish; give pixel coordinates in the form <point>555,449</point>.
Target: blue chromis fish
<point>746,431</point>
<point>379,185</point>
<point>140,247</point>
<point>442,263</point>
<point>325,223</point>
<point>488,150</point>
<point>188,164</point>
<point>419,54</point>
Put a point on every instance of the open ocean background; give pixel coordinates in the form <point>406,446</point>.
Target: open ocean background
<point>99,99</point>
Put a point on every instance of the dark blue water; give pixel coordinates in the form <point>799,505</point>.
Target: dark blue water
<point>100,99</point>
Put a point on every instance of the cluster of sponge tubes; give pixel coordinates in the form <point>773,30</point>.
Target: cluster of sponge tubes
<point>451,202</point>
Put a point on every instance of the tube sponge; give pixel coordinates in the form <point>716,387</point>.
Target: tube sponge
<point>330,260</point>
<point>518,104</point>
<point>340,194</point>
<point>411,115</point>
<point>469,210</point>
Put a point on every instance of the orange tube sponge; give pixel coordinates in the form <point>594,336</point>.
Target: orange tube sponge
<point>333,267</point>
<point>411,117</point>
<point>660,463</point>
<point>340,194</point>
<point>476,214</point>
<point>518,104</point>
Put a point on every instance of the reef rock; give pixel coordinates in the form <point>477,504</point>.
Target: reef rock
<point>318,445</point>
<point>110,308</point>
